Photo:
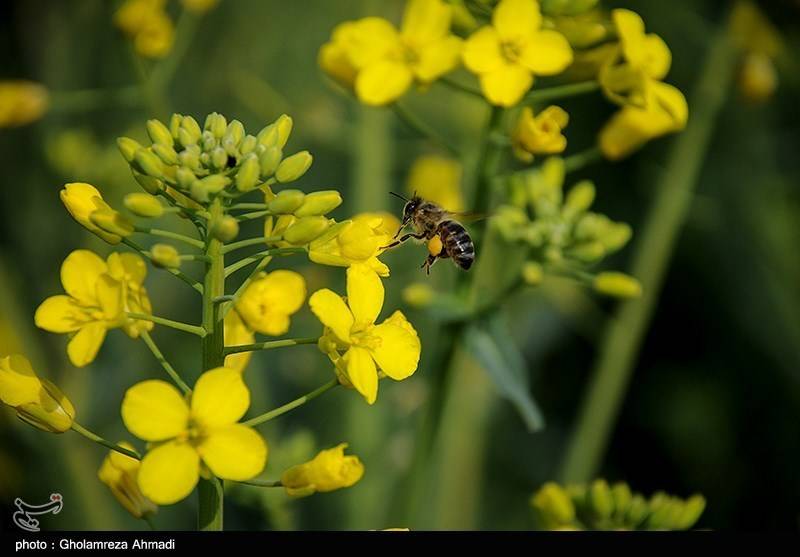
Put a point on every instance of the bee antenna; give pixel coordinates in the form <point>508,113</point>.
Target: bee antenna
<point>398,195</point>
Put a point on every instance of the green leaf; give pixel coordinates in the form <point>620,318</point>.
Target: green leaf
<point>491,345</point>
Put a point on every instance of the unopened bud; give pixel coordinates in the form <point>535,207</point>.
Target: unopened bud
<point>305,230</point>
<point>128,147</point>
<point>148,163</point>
<point>215,183</point>
<point>579,199</point>
<point>418,294</point>
<point>286,202</point>
<point>216,124</point>
<point>588,252</point>
<point>219,158</point>
<point>185,177</point>
<point>190,157</point>
<point>532,273</point>
<point>144,205</point>
<point>165,256</point>
<point>166,153</point>
<point>192,129</point>
<point>248,174</point>
<point>225,229</point>
<point>319,203</point>
<point>234,132</point>
<point>159,133</point>
<point>617,284</point>
<point>175,125</point>
<point>112,222</point>
<point>269,161</point>
<point>284,126</point>
<point>149,184</point>
<point>248,145</point>
<point>553,505</point>
<point>600,499</point>
<point>293,167</point>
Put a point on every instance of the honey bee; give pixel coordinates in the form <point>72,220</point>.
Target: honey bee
<point>432,222</point>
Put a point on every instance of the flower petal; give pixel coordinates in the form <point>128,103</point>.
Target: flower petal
<point>369,41</point>
<point>169,472</point>
<point>482,51</point>
<point>382,82</point>
<point>547,53</point>
<point>506,85</point>
<point>60,314</point>
<point>127,267</point>
<point>438,58</point>
<point>220,397</point>
<point>79,274</point>
<point>399,350</point>
<point>83,347</point>
<point>331,310</point>
<point>364,294</point>
<point>109,297</point>
<point>234,452</point>
<point>154,410</point>
<point>18,382</point>
<point>285,291</point>
<point>516,19</point>
<point>362,373</point>
<point>237,333</point>
<point>425,21</point>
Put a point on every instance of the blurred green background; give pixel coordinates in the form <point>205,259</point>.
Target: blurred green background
<point>714,400</point>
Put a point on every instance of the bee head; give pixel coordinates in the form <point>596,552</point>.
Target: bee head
<point>410,208</point>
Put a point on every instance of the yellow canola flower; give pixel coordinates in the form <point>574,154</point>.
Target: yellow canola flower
<point>97,295</point>
<point>359,240</point>
<point>269,301</point>
<point>393,345</point>
<point>182,435</point>
<point>81,200</point>
<point>21,102</point>
<point>380,63</point>
<point>540,134</point>
<point>37,401</point>
<point>632,126</point>
<point>508,53</point>
<point>148,24</point>
<point>757,78</point>
<point>237,333</point>
<point>437,179</point>
<point>120,473</point>
<point>331,469</point>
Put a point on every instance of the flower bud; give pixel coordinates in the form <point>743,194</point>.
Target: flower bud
<point>327,471</point>
<point>284,126</point>
<point>248,145</point>
<point>149,184</point>
<point>81,200</point>
<point>637,511</point>
<point>128,147</point>
<point>622,499</point>
<point>215,183</point>
<point>757,78</point>
<point>305,230</point>
<point>268,136</point>
<point>165,256</point>
<point>319,203</point>
<point>216,124</point>
<point>120,473</point>
<point>144,205</point>
<point>615,236</point>
<point>693,508</point>
<point>225,229</point>
<point>175,125</point>
<point>185,177</point>
<point>293,167</point>
<point>286,202</point>
<point>148,163</point>
<point>617,284</point>
<point>269,161</point>
<point>166,153</point>
<point>186,139</point>
<point>207,141</point>
<point>600,499</point>
<point>190,157</point>
<point>578,200</point>
<point>553,505</point>
<point>192,129</point>
<point>418,294</point>
<point>234,133</point>
<point>532,273</point>
<point>588,252</point>
<point>219,158</point>
<point>248,174</point>
<point>112,222</point>
<point>159,133</point>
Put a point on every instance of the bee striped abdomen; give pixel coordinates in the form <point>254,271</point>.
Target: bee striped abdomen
<point>457,243</point>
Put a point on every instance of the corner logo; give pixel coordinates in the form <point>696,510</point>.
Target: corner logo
<point>24,516</point>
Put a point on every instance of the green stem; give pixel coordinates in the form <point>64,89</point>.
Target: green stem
<point>193,283</point>
<point>149,520</point>
<point>281,410</point>
<point>248,206</point>
<point>450,82</point>
<point>242,287</point>
<point>100,441</point>
<point>179,325</point>
<point>423,129</point>
<point>561,91</point>
<point>148,340</point>
<point>576,162</point>
<point>249,242</point>
<point>254,215</point>
<point>489,162</point>
<point>209,514</point>
<point>242,263</point>
<point>262,483</point>
<point>269,345</point>
<point>621,345</point>
<point>171,235</point>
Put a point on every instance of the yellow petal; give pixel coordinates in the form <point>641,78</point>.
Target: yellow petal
<point>506,85</point>
<point>547,53</point>
<point>516,19</point>
<point>109,297</point>
<point>83,347</point>
<point>234,452</point>
<point>482,51</point>
<point>382,82</point>
<point>220,397</point>
<point>424,21</point>
<point>285,291</point>
<point>60,314</point>
<point>79,274</point>
<point>169,472</point>
<point>398,352</point>
<point>672,102</point>
<point>370,40</point>
<point>18,382</point>
<point>154,410</point>
<point>237,333</point>
<point>630,29</point>
<point>331,310</point>
<point>127,267</point>
<point>362,373</point>
<point>364,294</point>
<point>438,58</point>
<point>658,57</point>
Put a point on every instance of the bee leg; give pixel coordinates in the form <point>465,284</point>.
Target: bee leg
<point>403,239</point>
<point>429,261</point>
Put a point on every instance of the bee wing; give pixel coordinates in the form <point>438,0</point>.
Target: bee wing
<point>468,216</point>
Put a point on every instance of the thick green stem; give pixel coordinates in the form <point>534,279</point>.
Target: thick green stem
<point>269,345</point>
<point>281,410</point>
<point>100,441</point>
<point>209,513</point>
<point>669,211</point>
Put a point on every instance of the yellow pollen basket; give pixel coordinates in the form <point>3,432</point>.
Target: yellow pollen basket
<point>435,246</point>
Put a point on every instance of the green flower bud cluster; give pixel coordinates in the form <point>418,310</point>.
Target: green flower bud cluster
<point>598,506</point>
<point>562,227</point>
<point>203,162</point>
